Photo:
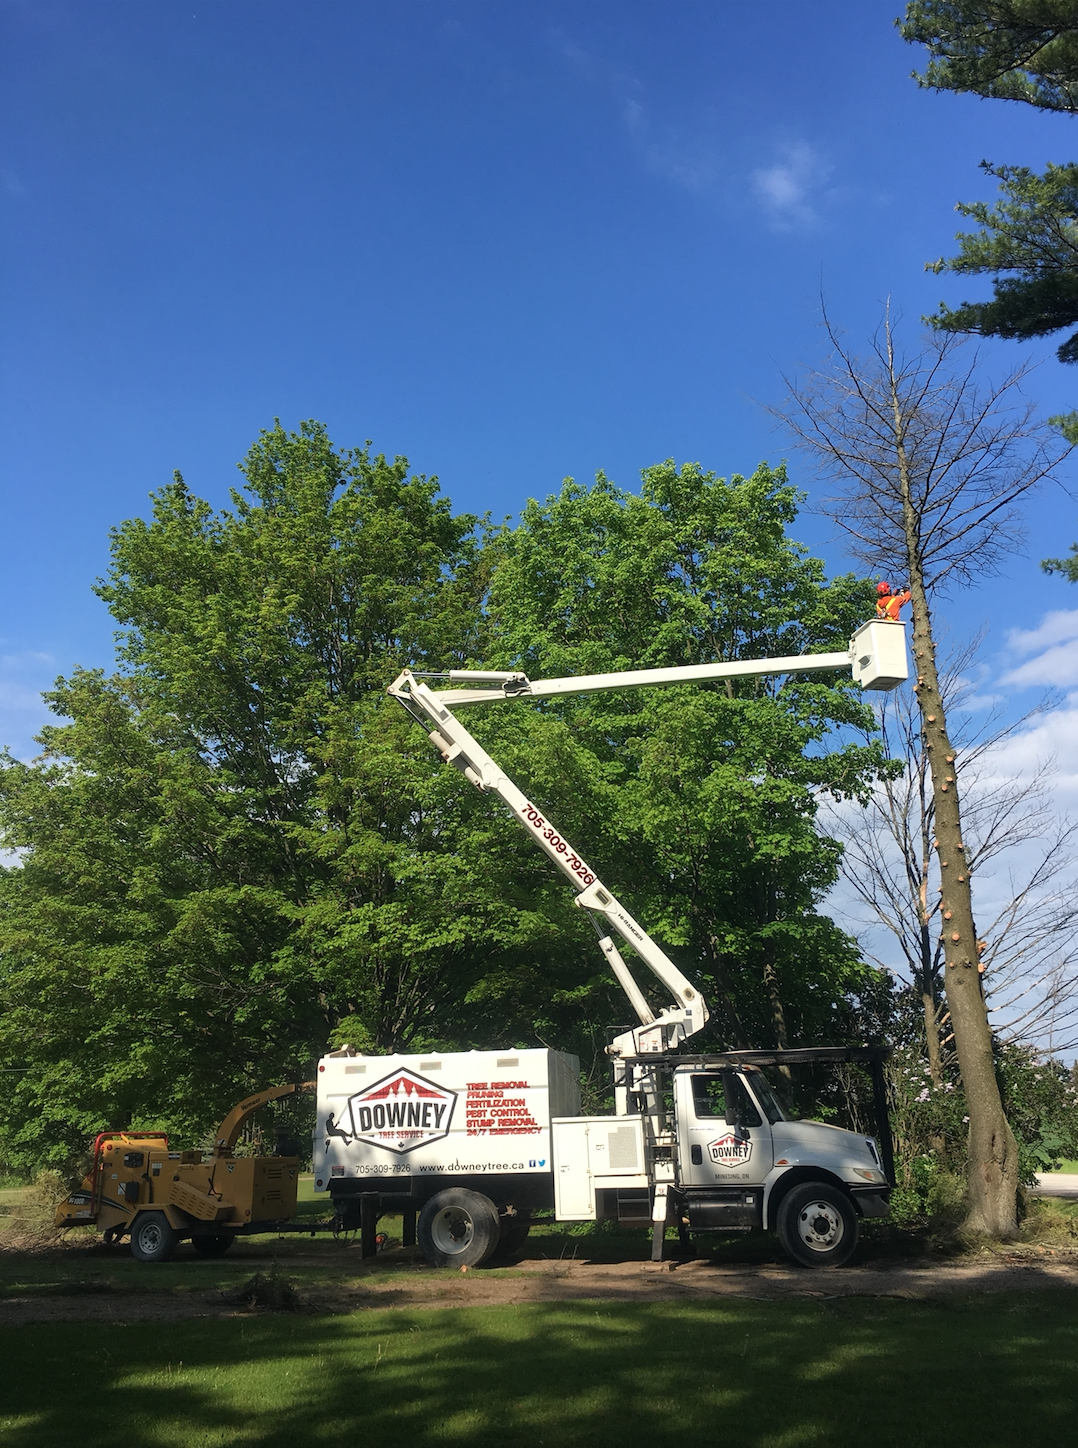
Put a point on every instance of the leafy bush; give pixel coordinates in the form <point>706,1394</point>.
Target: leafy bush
<point>1040,1098</point>
<point>930,1196</point>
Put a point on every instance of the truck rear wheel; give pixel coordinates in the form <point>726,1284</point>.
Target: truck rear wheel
<point>458,1228</point>
<point>153,1238</point>
<point>817,1225</point>
<point>214,1244</point>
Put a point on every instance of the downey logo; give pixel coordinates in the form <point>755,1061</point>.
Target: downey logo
<point>401,1112</point>
<point>729,1150</point>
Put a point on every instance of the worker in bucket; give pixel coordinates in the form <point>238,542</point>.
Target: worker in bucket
<point>889,605</point>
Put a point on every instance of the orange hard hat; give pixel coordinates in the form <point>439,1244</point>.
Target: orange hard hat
<point>883,588</point>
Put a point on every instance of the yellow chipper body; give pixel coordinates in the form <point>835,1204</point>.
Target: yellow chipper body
<point>138,1188</point>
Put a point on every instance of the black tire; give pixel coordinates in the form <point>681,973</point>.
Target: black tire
<point>458,1228</point>
<point>212,1245</point>
<point>514,1233</point>
<point>153,1238</point>
<point>817,1225</point>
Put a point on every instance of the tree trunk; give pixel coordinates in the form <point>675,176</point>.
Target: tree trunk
<point>929,1003</point>
<point>993,1151</point>
<point>930,1006</point>
<point>930,1009</point>
<point>733,1020</point>
<point>778,1014</point>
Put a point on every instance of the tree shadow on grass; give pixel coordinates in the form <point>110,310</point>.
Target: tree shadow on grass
<point>746,1374</point>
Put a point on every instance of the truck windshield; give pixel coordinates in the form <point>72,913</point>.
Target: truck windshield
<point>762,1089</point>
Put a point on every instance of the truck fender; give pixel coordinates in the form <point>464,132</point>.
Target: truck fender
<point>788,1180</point>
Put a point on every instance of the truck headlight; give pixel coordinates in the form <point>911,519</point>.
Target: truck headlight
<point>869,1175</point>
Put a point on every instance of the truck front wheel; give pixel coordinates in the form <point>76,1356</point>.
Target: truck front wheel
<point>817,1225</point>
<point>458,1228</point>
<point>153,1238</point>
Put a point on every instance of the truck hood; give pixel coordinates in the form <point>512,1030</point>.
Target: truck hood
<point>815,1141</point>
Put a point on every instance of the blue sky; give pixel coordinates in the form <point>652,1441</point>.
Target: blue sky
<point>511,241</point>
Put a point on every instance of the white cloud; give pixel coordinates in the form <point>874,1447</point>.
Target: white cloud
<point>791,188</point>
<point>1056,668</point>
<point>1055,647</point>
<point>1056,627</point>
<point>1051,737</point>
<point>705,151</point>
<point>23,676</point>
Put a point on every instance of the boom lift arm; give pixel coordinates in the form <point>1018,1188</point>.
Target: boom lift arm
<point>877,656</point>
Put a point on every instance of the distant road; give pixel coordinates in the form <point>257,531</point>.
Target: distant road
<point>1057,1184</point>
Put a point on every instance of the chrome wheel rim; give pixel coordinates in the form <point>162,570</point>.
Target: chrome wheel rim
<point>819,1226</point>
<point>453,1230</point>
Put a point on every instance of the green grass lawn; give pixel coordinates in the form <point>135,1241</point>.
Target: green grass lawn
<point>992,1371</point>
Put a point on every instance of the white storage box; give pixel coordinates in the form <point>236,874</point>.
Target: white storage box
<point>459,1113</point>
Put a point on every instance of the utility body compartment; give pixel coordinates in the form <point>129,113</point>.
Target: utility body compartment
<point>411,1125</point>
<point>593,1154</point>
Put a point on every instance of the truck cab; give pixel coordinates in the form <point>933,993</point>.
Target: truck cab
<point>743,1162</point>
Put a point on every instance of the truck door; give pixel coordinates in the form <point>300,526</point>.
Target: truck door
<point>722,1138</point>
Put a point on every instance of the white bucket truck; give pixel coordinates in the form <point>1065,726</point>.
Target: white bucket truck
<point>472,1143</point>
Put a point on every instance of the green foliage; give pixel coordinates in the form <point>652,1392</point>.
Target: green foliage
<point>1041,1100</point>
<point>928,1118</point>
<point>1014,50</point>
<point>1028,241</point>
<point>929,1196</point>
<point>698,803</point>
<point>1066,424</point>
<point>237,849</point>
<point>930,1124</point>
<point>1068,567</point>
<point>237,842</point>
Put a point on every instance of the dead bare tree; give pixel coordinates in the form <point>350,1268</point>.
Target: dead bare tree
<point>931,467</point>
<point>1016,844</point>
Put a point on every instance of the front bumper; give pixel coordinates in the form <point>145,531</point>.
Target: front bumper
<point>872,1201</point>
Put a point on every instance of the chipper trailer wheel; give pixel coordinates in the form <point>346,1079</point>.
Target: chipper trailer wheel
<point>212,1244</point>
<point>153,1239</point>
<point>817,1225</point>
<point>458,1228</point>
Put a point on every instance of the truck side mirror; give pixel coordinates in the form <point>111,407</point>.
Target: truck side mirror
<point>731,1084</point>
<point>740,1111</point>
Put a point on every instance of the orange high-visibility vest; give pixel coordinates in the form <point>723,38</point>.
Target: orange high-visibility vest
<point>890,608</point>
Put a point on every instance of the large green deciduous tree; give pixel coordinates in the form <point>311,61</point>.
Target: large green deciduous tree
<point>697,803</point>
<point>237,848</point>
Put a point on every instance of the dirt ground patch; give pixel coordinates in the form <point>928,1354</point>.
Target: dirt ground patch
<point>397,1280</point>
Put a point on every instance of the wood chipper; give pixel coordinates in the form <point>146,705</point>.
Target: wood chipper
<point>136,1187</point>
